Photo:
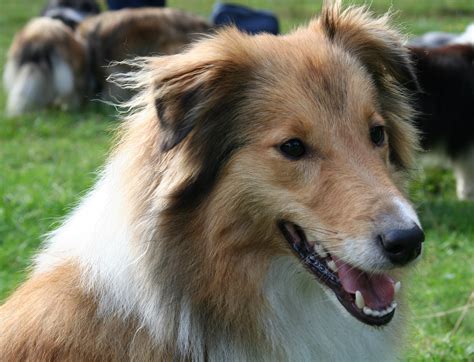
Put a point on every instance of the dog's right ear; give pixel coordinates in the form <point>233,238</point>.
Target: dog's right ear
<point>177,102</point>
<point>186,92</point>
<point>194,98</point>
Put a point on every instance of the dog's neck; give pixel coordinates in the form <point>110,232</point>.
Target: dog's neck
<point>295,319</point>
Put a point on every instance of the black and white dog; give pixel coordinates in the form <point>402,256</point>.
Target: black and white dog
<point>446,106</point>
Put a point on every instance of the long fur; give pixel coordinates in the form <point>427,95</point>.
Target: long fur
<point>45,67</point>
<point>115,36</point>
<point>28,88</point>
<point>175,253</point>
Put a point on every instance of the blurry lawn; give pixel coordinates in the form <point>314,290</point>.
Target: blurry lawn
<point>49,159</point>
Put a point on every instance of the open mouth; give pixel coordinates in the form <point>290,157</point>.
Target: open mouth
<point>367,297</point>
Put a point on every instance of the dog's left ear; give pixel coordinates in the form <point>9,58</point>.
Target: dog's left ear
<point>380,50</point>
<point>378,46</point>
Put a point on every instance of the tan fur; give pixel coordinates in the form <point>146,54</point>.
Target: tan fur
<point>51,318</point>
<point>204,183</point>
<point>114,36</point>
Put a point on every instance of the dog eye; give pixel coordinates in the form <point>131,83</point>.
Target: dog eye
<point>293,148</point>
<point>377,135</point>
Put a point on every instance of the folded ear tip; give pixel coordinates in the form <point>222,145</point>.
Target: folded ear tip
<point>171,138</point>
<point>168,144</point>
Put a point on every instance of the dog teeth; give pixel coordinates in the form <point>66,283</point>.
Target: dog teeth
<point>317,248</point>
<point>332,265</point>
<point>397,287</point>
<point>367,311</point>
<point>376,313</point>
<point>320,250</point>
<point>360,302</point>
<point>379,313</point>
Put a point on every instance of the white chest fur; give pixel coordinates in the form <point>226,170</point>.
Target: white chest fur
<point>309,324</point>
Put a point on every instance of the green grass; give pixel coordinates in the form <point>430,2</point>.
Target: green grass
<point>49,159</point>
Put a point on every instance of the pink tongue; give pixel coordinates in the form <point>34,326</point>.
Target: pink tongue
<point>377,289</point>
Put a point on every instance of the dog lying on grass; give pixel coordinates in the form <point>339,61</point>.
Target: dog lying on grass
<point>253,209</point>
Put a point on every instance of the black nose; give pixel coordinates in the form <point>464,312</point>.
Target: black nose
<point>402,245</point>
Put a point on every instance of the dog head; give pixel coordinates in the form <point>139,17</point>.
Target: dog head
<point>252,148</point>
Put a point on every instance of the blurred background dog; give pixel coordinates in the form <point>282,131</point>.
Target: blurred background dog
<point>45,66</point>
<point>445,70</point>
<point>46,63</point>
<point>113,37</point>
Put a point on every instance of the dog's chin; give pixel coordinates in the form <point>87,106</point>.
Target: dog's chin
<point>367,297</point>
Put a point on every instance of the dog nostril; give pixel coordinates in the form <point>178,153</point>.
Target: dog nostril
<point>402,245</point>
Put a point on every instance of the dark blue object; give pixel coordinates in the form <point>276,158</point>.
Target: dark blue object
<point>245,19</point>
<point>120,4</point>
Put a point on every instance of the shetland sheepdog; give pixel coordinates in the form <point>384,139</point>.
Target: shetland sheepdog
<point>446,111</point>
<point>115,36</point>
<point>253,209</point>
<point>45,66</point>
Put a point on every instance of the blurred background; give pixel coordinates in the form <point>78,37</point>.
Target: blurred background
<point>49,158</point>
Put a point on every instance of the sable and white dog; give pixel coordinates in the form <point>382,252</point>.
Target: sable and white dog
<point>115,36</point>
<point>45,66</point>
<point>252,210</point>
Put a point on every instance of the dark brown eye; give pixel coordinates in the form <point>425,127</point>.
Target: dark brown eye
<point>293,149</point>
<point>377,135</point>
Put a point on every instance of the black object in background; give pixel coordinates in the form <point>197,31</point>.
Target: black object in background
<point>245,19</point>
<point>120,4</point>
